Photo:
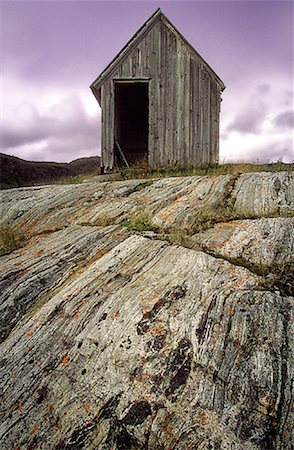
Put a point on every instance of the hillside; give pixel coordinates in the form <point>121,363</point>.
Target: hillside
<point>148,314</point>
<point>16,172</point>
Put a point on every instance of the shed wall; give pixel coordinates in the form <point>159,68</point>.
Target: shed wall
<point>184,101</point>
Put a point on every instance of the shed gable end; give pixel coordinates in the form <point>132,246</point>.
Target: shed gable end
<point>157,18</point>
<point>180,102</point>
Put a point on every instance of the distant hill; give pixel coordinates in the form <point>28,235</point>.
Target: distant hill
<point>16,172</point>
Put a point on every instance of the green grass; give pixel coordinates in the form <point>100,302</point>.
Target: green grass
<point>139,223</point>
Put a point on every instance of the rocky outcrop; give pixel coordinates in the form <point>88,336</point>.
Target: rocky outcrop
<point>114,339</point>
<point>48,262</point>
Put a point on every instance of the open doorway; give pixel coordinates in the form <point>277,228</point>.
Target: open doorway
<point>131,122</point>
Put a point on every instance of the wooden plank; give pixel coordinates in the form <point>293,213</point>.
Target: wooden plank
<point>168,54</point>
<point>201,114</point>
<point>111,121</point>
<point>160,100</point>
<point>103,153</point>
<point>195,122</point>
<point>213,115</point>
<point>121,153</point>
<point>208,122</point>
<point>106,127</point>
<point>163,82</point>
<point>205,151</point>
<point>187,144</point>
<point>155,92</point>
<point>191,113</point>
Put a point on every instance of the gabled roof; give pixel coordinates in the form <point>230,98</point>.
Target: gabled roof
<point>133,42</point>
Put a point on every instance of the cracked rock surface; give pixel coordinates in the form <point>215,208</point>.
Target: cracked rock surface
<point>113,340</point>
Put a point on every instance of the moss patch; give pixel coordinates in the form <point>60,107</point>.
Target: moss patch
<point>11,239</point>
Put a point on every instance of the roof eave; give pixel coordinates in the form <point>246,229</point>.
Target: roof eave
<point>97,93</point>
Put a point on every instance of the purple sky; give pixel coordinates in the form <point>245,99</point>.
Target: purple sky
<point>51,51</point>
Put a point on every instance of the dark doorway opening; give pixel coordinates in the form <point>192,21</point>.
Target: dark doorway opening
<point>131,122</point>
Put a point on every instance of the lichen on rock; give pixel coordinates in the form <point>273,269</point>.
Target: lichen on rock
<point>116,340</point>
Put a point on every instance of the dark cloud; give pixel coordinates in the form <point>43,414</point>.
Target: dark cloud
<point>284,120</point>
<point>65,149</point>
<point>249,120</point>
<point>64,133</point>
<point>289,97</point>
<point>264,152</point>
<point>224,136</point>
<point>27,127</point>
<point>272,153</point>
<point>263,88</point>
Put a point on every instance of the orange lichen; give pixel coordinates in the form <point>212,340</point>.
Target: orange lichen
<point>87,407</point>
<point>22,273</point>
<point>230,311</point>
<point>201,418</point>
<point>34,429</point>
<point>65,360</point>
<point>56,423</point>
<point>29,333</point>
<point>155,330</point>
<point>116,314</point>
<point>76,315</point>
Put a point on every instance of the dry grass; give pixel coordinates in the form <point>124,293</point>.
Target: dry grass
<point>144,171</point>
<point>76,179</point>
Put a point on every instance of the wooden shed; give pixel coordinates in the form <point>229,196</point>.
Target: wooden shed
<point>160,101</point>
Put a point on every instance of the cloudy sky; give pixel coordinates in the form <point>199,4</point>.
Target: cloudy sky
<point>51,51</point>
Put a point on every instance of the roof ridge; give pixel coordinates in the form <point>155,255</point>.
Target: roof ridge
<point>158,13</point>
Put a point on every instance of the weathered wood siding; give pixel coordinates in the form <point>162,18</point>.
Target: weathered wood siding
<point>184,101</point>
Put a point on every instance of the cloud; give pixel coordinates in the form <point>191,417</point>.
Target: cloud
<point>62,132</point>
<point>260,129</point>
<point>249,120</point>
<point>248,108</point>
<point>284,120</point>
<point>263,88</point>
<point>265,147</point>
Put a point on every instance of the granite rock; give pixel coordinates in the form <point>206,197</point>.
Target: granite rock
<point>113,340</point>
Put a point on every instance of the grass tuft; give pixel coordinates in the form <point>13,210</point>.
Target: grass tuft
<point>139,223</point>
